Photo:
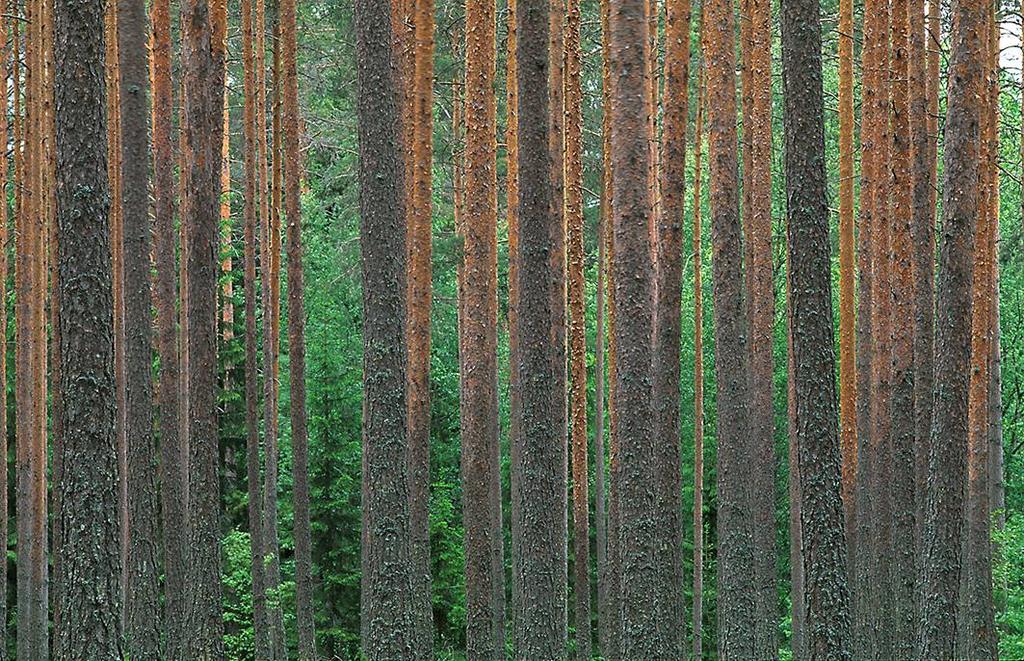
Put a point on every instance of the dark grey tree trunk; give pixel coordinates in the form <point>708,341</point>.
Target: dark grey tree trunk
<point>90,529</point>
<point>203,126</point>
<point>539,483</point>
<point>387,631</point>
<point>142,590</point>
<point>826,595</point>
<point>947,460</point>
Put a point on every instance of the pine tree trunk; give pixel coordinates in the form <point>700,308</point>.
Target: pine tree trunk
<point>977,634</point>
<point>608,584</point>
<point>478,329</point>
<point>826,594</point>
<point>4,450</point>
<point>923,237</point>
<point>296,334</point>
<point>666,367</point>
<point>386,578</point>
<point>142,589</point>
<point>698,375</point>
<point>202,139</point>
<point>757,141</point>
<point>848,394</point>
<point>539,487</point>
<point>250,212</point>
<point>880,478</point>
<point>577,330</point>
<point>420,252</point>
<point>947,466</point>
<point>902,333</point>
<point>861,540</point>
<point>89,543</point>
<point>736,594</point>
<point>633,280</point>
<point>173,456</point>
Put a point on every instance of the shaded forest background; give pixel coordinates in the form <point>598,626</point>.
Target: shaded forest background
<point>334,344</point>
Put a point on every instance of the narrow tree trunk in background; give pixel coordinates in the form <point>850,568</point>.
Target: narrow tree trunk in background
<point>577,330</point>
<point>30,272</point>
<point>848,394</point>
<point>249,215</point>
<point>881,477</point>
<point>114,172</point>
<point>387,631</point>
<point>761,320</point>
<point>923,238</point>
<point>735,561</point>
<point>296,334</point>
<point>173,457</point>
<point>4,450</point>
<point>608,606</point>
<point>204,83</point>
<point>557,252</point>
<point>539,488</point>
<point>668,311</point>
<point>698,375</point>
<point>798,641</point>
<point>633,279</point>
<point>826,593</point>
<point>142,588</point>
<point>977,638</point>
<point>600,463</point>
<point>997,479</point>
<point>419,309</point>
<point>89,544</point>
<point>514,263</point>
<point>481,473</point>
<point>947,467</point>
<point>901,411</point>
<point>860,555</point>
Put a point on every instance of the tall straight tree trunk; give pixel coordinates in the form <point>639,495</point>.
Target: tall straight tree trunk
<point>861,541</point>
<point>577,329</point>
<point>142,589</point>
<point>557,252</point>
<point>271,289</point>
<point>481,473</point>
<point>923,237</point>
<point>203,83</point>
<point>296,333</point>
<point>89,544</point>
<point>173,457</point>
<point>947,466</point>
<point>250,212</point>
<point>514,262</point>
<point>848,394</point>
<point>698,374</point>
<point>736,600</point>
<point>4,450</point>
<point>798,640</point>
<point>538,489</point>
<point>901,410</point>
<point>600,463</point>
<point>976,622</point>
<point>386,581</point>
<point>30,400</point>
<point>881,476</point>
<point>117,251</point>
<point>666,370</point>
<point>608,632</point>
<point>757,140</point>
<point>420,251</point>
<point>633,280</point>
<point>814,364</point>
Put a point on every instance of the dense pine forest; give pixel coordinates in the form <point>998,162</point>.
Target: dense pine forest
<point>532,329</point>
